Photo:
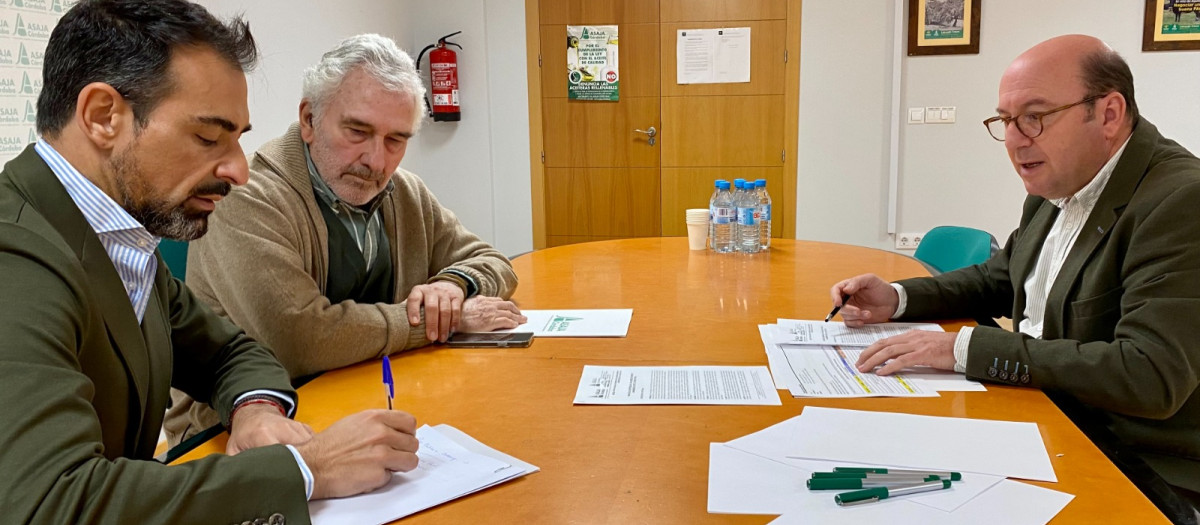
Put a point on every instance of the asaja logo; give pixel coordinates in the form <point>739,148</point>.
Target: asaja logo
<point>6,56</point>
<point>32,137</point>
<point>27,58</point>
<point>8,86</point>
<point>31,29</point>
<point>59,6</point>
<point>30,4</point>
<point>30,112</point>
<point>5,25</point>
<point>11,144</point>
<point>30,86</point>
<point>560,323</point>
<point>9,116</point>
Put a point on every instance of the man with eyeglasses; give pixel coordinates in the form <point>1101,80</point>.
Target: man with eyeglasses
<point>1101,278</point>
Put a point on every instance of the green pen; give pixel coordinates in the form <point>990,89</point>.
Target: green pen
<point>872,475</point>
<point>872,495</point>
<point>953,476</point>
<point>858,483</point>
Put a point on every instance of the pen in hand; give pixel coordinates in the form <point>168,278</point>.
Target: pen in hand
<point>389,386</point>
<point>845,297</point>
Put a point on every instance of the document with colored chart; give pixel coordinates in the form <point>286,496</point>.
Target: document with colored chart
<point>829,371</point>
<point>576,323</point>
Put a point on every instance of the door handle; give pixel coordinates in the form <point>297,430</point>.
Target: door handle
<point>649,132</point>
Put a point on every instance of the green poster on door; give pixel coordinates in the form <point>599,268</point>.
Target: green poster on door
<point>592,70</point>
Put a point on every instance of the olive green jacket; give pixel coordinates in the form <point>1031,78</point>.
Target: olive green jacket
<point>1122,325</point>
<point>83,386</point>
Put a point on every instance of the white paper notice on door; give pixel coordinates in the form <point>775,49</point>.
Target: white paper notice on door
<point>710,56</point>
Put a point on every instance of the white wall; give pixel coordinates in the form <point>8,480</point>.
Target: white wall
<point>950,174</point>
<point>478,167</point>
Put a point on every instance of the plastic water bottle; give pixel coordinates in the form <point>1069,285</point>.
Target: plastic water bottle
<point>764,214</point>
<point>739,186</point>
<point>712,201</point>
<point>721,229</point>
<point>747,208</point>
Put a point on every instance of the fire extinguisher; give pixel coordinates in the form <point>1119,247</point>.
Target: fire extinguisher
<point>443,73</point>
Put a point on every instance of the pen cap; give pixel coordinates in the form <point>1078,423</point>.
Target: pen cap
<point>859,495</point>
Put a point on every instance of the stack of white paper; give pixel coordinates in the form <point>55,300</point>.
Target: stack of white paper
<point>816,359</point>
<point>764,473</point>
<point>452,465</point>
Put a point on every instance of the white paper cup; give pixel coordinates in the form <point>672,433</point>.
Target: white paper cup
<point>696,214</point>
<point>697,235</point>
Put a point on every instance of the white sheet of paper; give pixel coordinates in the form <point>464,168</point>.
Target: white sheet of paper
<point>576,323</point>
<point>829,371</point>
<point>676,385</point>
<point>822,333</point>
<point>943,380</point>
<point>742,483</point>
<point>1011,503</point>
<point>1002,448</point>
<point>695,55</point>
<point>1007,503</point>
<point>447,470</point>
<point>781,374</point>
<point>771,444</point>
<point>707,56</point>
<point>732,61</point>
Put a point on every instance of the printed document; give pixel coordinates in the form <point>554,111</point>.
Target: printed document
<point>451,465</point>
<point>676,385</point>
<point>793,331</point>
<point>576,323</point>
<point>829,371</point>
<point>708,56</point>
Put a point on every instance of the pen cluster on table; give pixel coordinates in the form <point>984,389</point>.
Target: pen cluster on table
<point>868,485</point>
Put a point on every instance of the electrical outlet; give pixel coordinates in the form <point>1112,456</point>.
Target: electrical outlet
<point>908,241</point>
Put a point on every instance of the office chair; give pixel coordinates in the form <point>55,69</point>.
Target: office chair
<point>948,248</point>
<point>174,253</point>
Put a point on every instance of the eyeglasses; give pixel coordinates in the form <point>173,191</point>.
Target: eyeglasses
<point>1029,124</point>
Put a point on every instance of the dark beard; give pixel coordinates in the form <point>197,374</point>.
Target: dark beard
<point>159,216</point>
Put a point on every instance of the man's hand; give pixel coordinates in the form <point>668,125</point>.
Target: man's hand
<point>911,348</point>
<point>872,300</point>
<point>443,302</point>
<point>484,314</point>
<point>259,425</point>
<point>360,452</point>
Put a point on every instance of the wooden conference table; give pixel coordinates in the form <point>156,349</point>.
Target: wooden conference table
<point>649,464</point>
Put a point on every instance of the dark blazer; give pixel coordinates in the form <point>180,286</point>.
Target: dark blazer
<point>1122,326</point>
<point>83,386</point>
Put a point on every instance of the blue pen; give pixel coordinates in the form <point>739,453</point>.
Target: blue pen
<point>388,384</point>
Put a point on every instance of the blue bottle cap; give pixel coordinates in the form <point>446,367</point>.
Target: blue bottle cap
<point>760,183</point>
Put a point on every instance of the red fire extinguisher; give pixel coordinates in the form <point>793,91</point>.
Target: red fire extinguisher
<point>443,73</point>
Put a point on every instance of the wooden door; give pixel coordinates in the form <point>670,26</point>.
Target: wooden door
<point>595,178</point>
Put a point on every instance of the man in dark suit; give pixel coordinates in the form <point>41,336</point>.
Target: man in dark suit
<point>140,115</point>
<point>1101,278</point>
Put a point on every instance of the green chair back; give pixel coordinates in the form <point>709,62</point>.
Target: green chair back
<point>948,248</point>
<point>174,253</point>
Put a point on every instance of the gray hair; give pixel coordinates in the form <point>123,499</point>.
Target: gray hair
<point>379,57</point>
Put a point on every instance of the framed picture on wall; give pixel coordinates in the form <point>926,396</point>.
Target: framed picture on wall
<point>943,27</point>
<point>1171,25</point>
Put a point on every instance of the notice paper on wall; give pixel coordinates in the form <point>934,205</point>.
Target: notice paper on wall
<point>676,385</point>
<point>712,56</point>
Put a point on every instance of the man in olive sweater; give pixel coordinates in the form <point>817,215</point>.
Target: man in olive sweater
<point>1101,278</point>
<point>333,255</point>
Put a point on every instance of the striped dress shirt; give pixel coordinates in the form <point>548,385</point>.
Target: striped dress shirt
<point>127,242</point>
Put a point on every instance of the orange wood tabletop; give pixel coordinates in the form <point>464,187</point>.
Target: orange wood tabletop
<point>649,464</point>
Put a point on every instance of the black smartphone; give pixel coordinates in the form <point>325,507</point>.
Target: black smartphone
<point>491,340</point>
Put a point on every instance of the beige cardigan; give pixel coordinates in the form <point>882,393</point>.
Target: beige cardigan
<point>264,264</point>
